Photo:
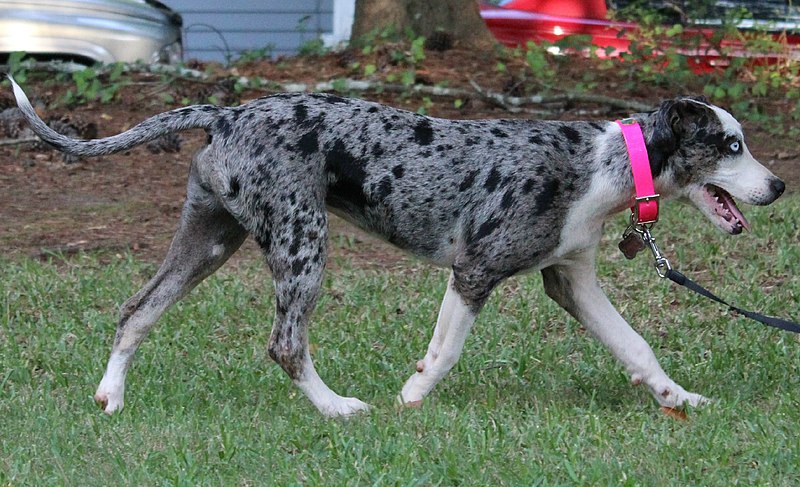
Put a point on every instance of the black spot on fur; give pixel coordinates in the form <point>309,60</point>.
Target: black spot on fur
<point>233,192</point>
<point>384,188</point>
<point>223,127</point>
<point>423,132</point>
<point>333,99</point>
<point>486,228</point>
<point>508,199</point>
<point>300,113</point>
<point>372,109</point>
<point>528,186</point>
<point>472,141</point>
<point>498,133</point>
<point>536,139</point>
<point>299,265</point>
<point>571,134</point>
<point>347,191</point>
<point>377,150</point>
<point>468,181</point>
<point>492,180</point>
<point>546,197</point>
<point>308,143</point>
<point>295,247</point>
<point>398,171</point>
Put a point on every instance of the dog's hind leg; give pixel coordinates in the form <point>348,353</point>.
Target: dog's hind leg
<point>206,237</point>
<point>455,320</point>
<point>574,287</point>
<point>296,252</point>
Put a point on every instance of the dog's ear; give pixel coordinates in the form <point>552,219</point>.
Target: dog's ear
<point>673,120</point>
<point>663,141</point>
<point>686,114</point>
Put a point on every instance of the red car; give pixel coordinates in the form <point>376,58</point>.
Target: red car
<point>516,22</point>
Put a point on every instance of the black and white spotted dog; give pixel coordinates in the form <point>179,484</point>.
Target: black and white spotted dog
<point>486,198</point>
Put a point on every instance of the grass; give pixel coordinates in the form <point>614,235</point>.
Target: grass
<point>534,400</point>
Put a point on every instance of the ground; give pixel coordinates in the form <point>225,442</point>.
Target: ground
<point>132,201</point>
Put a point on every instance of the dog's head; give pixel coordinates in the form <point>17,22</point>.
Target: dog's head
<point>697,150</point>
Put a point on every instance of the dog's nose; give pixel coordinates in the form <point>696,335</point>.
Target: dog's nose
<point>777,186</point>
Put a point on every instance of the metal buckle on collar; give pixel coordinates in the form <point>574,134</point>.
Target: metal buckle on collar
<point>645,199</point>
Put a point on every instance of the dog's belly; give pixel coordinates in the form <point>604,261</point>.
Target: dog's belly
<point>418,232</point>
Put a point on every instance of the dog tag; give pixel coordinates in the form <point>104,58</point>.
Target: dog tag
<point>631,245</point>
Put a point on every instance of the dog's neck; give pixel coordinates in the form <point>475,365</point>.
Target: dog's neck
<point>620,190</point>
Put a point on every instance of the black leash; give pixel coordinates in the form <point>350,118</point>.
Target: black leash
<point>630,247</point>
<point>782,324</point>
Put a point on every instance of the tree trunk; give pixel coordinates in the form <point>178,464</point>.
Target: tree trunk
<point>459,19</point>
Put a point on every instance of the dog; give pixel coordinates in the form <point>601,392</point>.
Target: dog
<point>486,198</point>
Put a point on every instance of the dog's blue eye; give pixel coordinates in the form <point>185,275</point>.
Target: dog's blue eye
<point>735,146</point>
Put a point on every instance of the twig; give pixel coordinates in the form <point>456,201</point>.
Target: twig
<point>26,140</point>
<point>510,102</point>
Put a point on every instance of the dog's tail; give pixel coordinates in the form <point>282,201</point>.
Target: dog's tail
<point>197,116</point>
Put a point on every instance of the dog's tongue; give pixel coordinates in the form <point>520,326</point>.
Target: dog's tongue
<point>731,205</point>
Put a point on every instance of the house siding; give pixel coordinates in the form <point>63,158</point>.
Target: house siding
<point>220,31</point>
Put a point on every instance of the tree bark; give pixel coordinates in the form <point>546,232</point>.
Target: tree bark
<point>460,19</point>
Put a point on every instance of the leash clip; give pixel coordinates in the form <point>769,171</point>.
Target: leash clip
<point>662,264</point>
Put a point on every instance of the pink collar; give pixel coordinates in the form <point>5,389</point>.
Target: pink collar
<point>645,209</point>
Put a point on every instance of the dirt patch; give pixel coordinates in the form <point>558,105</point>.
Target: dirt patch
<point>132,201</point>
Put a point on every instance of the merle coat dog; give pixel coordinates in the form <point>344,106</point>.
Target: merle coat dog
<point>486,198</point>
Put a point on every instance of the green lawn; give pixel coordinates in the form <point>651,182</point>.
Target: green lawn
<point>533,401</point>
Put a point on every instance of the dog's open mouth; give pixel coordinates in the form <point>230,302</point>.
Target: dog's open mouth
<point>724,209</point>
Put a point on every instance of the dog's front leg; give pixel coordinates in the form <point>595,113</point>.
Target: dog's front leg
<point>452,327</point>
<point>574,287</point>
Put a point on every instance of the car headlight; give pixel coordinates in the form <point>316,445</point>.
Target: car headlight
<point>169,54</point>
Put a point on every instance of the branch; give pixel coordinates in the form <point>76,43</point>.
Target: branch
<point>25,140</point>
<point>510,103</point>
<point>514,102</point>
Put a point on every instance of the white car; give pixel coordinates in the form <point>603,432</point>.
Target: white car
<point>91,31</point>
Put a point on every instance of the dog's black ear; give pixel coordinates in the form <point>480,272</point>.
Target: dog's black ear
<point>674,119</point>
<point>686,114</point>
<point>663,141</point>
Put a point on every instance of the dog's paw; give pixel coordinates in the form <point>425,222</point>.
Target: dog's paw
<point>109,403</point>
<point>413,391</point>
<point>343,407</point>
<point>671,395</point>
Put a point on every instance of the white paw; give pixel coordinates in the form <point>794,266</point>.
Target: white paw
<point>671,395</point>
<point>343,407</point>
<point>109,402</point>
<point>413,391</point>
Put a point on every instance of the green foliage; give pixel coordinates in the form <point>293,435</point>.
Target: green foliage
<point>255,55</point>
<point>94,84</point>
<point>313,47</point>
<point>16,67</point>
